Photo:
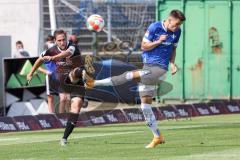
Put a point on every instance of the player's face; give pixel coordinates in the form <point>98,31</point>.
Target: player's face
<point>173,24</point>
<point>19,46</point>
<point>74,38</point>
<point>61,41</point>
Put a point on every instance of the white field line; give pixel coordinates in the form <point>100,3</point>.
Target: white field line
<point>32,139</point>
<point>226,154</point>
<point>189,126</point>
<point>55,138</point>
<point>8,139</point>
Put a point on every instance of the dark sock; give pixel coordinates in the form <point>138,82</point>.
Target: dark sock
<point>72,121</point>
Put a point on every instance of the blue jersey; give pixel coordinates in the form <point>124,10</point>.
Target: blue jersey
<point>161,54</point>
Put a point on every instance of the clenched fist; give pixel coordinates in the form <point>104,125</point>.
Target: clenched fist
<point>162,38</point>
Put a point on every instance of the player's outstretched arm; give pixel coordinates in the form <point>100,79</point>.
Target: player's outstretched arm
<point>36,65</point>
<point>63,54</point>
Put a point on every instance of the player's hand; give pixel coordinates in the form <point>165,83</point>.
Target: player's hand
<point>29,77</point>
<point>174,68</point>
<point>162,38</point>
<point>48,73</point>
<point>47,58</point>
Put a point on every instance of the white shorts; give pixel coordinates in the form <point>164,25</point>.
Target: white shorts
<point>150,81</point>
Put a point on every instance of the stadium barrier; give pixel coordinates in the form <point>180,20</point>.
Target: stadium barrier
<point>100,117</point>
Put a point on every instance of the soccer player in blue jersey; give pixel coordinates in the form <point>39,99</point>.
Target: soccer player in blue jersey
<point>159,49</point>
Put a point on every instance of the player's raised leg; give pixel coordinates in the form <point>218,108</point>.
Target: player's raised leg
<point>78,73</point>
<point>115,80</point>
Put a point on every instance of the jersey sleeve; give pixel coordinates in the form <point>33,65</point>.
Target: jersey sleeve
<point>71,49</point>
<point>49,52</point>
<point>42,54</point>
<point>175,42</point>
<point>149,35</point>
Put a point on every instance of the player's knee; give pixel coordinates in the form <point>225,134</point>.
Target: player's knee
<point>63,97</point>
<point>76,104</point>
<point>146,99</point>
<point>62,100</point>
<point>149,124</point>
<point>118,79</point>
<point>152,123</point>
<point>75,108</point>
<point>77,100</point>
<point>121,79</point>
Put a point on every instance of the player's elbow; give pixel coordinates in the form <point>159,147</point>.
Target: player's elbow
<point>67,54</point>
<point>143,47</point>
<point>40,60</point>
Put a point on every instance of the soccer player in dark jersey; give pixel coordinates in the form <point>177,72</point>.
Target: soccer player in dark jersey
<point>61,59</point>
<point>159,50</point>
<point>64,98</point>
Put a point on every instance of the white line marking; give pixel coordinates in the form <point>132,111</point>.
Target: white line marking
<point>8,139</point>
<point>44,139</point>
<point>232,154</point>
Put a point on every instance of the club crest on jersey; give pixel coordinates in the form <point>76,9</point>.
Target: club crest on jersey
<point>173,36</point>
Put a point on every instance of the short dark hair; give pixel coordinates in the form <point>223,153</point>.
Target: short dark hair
<point>19,42</point>
<point>59,31</point>
<point>177,14</point>
<point>74,34</point>
<point>50,38</point>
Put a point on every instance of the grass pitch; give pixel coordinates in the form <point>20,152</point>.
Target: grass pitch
<point>203,138</point>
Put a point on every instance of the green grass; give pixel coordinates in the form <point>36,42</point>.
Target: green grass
<point>203,138</point>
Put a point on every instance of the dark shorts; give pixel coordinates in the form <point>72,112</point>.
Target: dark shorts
<point>52,85</point>
<point>59,83</point>
<point>75,90</point>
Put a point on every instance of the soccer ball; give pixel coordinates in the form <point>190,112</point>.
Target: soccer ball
<point>95,23</point>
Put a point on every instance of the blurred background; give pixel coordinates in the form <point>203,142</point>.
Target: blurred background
<point>208,54</point>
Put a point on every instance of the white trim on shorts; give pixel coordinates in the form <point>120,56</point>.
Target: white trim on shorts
<point>47,85</point>
<point>149,90</point>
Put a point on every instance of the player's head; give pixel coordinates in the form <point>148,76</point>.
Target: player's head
<point>50,38</point>
<point>61,39</point>
<point>49,41</point>
<point>175,19</point>
<point>73,38</point>
<point>19,45</point>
